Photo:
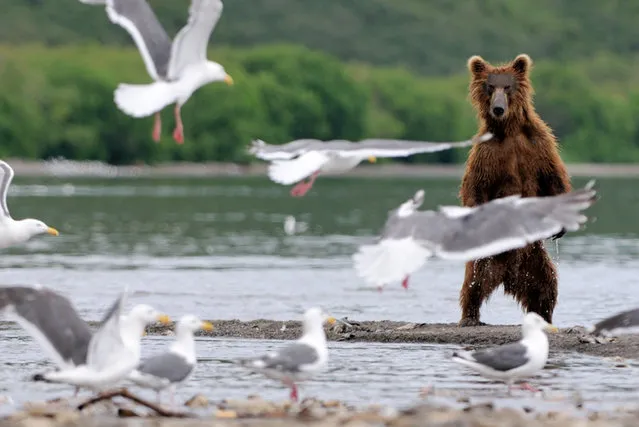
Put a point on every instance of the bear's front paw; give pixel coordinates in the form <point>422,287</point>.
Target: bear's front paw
<point>467,321</point>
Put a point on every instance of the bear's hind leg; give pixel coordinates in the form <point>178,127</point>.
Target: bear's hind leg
<point>537,289</point>
<point>482,277</point>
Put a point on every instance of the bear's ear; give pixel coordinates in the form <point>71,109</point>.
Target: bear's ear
<point>477,65</point>
<point>522,64</point>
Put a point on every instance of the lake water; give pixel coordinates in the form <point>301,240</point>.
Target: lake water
<point>216,248</point>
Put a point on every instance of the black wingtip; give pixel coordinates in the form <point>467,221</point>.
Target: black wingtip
<point>38,377</point>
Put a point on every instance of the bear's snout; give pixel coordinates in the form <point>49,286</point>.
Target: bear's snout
<point>499,104</point>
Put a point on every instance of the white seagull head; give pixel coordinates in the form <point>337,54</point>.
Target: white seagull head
<point>192,323</point>
<point>534,322</point>
<point>32,227</point>
<point>216,73</point>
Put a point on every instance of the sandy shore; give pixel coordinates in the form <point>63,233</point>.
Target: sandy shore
<point>385,331</point>
<point>64,168</point>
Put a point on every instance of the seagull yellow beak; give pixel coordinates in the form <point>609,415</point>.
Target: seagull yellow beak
<point>228,79</point>
<point>164,319</point>
<point>144,333</point>
<point>52,231</point>
<point>372,159</point>
<point>552,328</point>
<point>207,326</point>
<point>331,320</point>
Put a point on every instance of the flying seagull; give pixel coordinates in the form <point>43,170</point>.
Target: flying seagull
<point>626,322</point>
<point>297,160</point>
<point>177,68</point>
<point>84,359</point>
<point>297,361</point>
<point>457,233</point>
<point>168,369</point>
<point>14,232</point>
<point>514,361</point>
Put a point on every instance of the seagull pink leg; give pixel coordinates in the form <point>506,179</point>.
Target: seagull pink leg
<point>405,282</point>
<point>302,188</point>
<point>526,386</point>
<point>294,396</point>
<point>157,127</point>
<point>178,133</point>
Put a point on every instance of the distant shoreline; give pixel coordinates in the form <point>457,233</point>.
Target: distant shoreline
<point>66,168</point>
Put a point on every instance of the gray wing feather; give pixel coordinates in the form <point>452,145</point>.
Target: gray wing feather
<point>54,316</point>
<point>139,20</point>
<point>167,365</point>
<point>291,358</point>
<point>624,320</point>
<point>511,220</point>
<point>502,358</point>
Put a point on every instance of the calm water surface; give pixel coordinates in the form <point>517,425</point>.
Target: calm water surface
<point>216,248</point>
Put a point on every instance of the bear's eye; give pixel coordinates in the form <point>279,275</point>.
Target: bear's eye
<point>490,88</point>
<point>506,87</point>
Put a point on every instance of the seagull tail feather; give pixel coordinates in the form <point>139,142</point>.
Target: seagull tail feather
<point>463,357</point>
<point>389,260</point>
<point>144,100</point>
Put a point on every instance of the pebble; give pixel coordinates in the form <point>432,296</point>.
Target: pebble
<point>197,401</point>
<point>221,413</point>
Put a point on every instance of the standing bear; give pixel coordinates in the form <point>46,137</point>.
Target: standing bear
<point>522,158</point>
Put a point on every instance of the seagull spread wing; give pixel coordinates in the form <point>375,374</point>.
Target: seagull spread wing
<point>291,171</point>
<point>399,148</point>
<point>51,320</point>
<point>189,46</point>
<point>269,152</point>
<point>107,345</point>
<point>6,176</point>
<point>139,20</point>
<point>511,223</point>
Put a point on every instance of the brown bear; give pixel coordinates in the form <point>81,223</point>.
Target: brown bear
<point>522,158</point>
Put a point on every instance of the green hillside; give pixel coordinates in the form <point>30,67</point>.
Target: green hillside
<point>429,36</point>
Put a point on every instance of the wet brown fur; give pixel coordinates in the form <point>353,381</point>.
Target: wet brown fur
<point>522,158</point>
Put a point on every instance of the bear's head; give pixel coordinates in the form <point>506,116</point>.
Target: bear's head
<point>500,94</point>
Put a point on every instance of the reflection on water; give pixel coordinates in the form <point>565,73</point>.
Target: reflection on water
<point>217,248</point>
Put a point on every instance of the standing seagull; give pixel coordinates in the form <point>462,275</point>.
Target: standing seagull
<point>174,366</point>
<point>297,361</point>
<point>178,68</point>
<point>14,232</point>
<point>457,233</point>
<point>296,160</point>
<point>510,362</point>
